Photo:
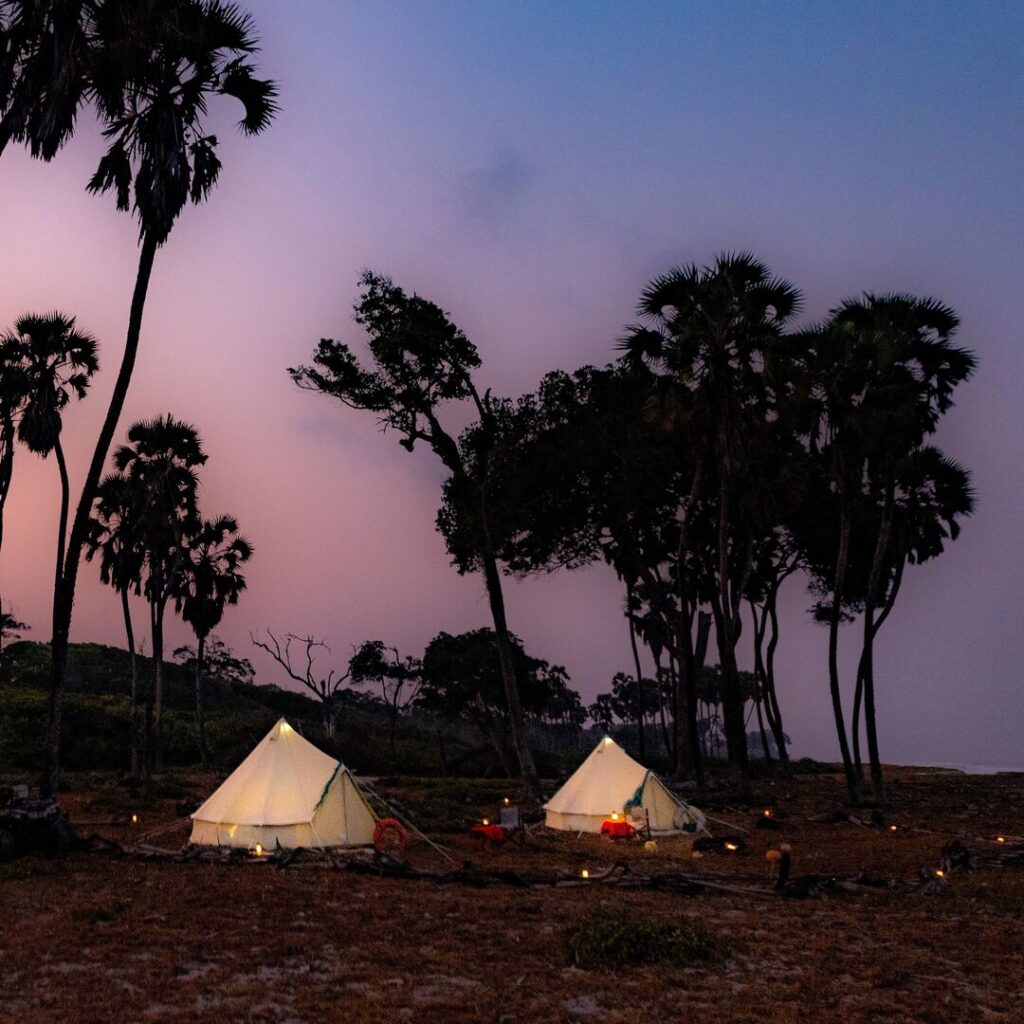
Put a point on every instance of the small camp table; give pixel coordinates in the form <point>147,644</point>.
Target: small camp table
<point>617,830</point>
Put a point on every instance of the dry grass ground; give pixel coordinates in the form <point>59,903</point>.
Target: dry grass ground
<point>94,939</point>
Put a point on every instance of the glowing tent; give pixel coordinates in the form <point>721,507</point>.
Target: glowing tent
<point>285,793</point>
<point>610,781</point>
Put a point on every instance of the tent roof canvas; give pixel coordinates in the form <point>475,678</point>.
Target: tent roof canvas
<point>281,782</point>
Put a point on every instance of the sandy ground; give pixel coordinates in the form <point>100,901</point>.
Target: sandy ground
<point>94,939</point>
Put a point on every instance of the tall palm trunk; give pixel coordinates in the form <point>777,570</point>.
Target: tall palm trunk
<point>6,465</point>
<point>760,689</point>
<point>775,719</point>
<point>65,502</point>
<point>727,636</point>
<point>641,745</point>
<point>157,747</point>
<point>64,592</point>
<point>834,618</point>
<point>867,655</point>
<point>200,712</point>
<point>134,663</point>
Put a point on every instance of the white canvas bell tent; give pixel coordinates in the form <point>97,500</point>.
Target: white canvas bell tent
<point>610,781</point>
<point>286,793</point>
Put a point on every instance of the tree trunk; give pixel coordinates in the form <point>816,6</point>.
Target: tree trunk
<point>641,745</point>
<point>6,465</point>
<point>64,593</point>
<point>496,599</point>
<point>775,719</point>
<point>760,690</point>
<point>870,631</point>
<point>158,686</point>
<point>200,711</point>
<point>835,613</point>
<point>65,502</point>
<point>666,739</point>
<point>129,633</point>
<point>858,701</point>
<point>726,634</point>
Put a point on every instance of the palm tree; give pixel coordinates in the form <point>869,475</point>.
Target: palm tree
<point>116,536</point>
<point>150,69</point>
<point>57,362</point>
<point>714,333</point>
<point>12,398</point>
<point>44,63</point>
<point>159,463</point>
<point>210,581</point>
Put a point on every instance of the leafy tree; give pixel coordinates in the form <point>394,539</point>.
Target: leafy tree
<point>160,463</point>
<point>713,335</point>
<point>149,69</point>
<point>421,361</point>
<point>621,704</point>
<point>209,581</point>
<point>881,373</point>
<point>57,363</point>
<point>399,679</point>
<point>220,663</point>
<point>117,537</point>
<point>463,679</point>
<point>11,627</point>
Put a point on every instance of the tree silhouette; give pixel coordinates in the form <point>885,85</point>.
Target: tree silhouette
<point>11,627</point>
<point>117,536</point>
<point>209,581</point>
<point>421,360</point>
<point>713,335</point>
<point>57,363</point>
<point>12,399</point>
<point>325,687</point>
<point>160,464</point>
<point>878,375</point>
<point>149,69</point>
<point>399,679</point>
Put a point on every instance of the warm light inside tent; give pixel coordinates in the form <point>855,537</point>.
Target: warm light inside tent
<point>285,727</point>
<point>607,740</point>
<point>615,815</point>
<point>584,873</point>
<point>259,850</point>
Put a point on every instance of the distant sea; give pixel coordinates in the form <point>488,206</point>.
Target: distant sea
<point>973,769</point>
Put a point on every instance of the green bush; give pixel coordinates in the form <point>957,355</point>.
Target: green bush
<point>605,939</point>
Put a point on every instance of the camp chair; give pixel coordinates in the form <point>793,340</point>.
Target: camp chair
<point>640,819</point>
<point>512,824</point>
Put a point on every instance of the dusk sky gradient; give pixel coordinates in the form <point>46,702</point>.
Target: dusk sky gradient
<point>530,166</point>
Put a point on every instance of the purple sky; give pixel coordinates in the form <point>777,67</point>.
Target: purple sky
<point>530,167</point>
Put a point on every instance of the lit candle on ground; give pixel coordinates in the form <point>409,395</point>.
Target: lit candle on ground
<point>584,873</point>
<point>259,850</point>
